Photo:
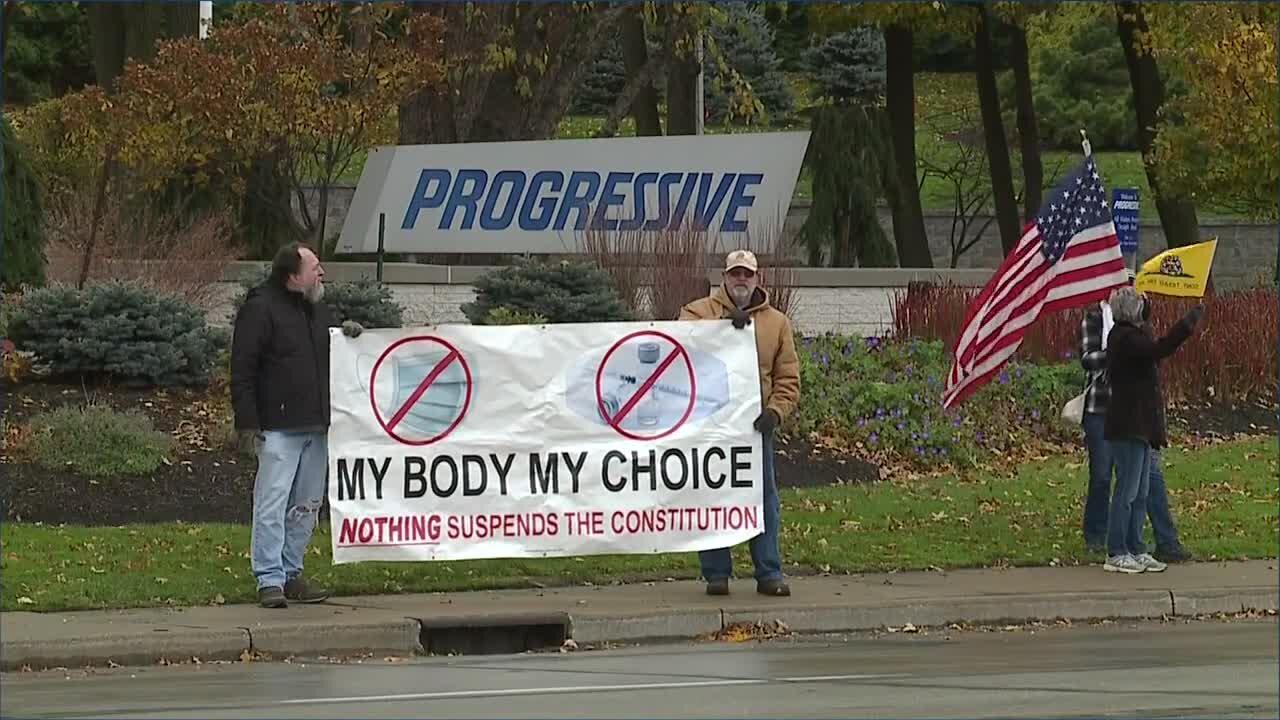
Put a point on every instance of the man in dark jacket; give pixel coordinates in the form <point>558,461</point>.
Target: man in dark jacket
<point>1093,357</point>
<point>280,396</point>
<point>1135,424</point>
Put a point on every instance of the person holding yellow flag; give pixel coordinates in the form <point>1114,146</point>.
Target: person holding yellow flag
<point>1135,421</point>
<point>1094,328</point>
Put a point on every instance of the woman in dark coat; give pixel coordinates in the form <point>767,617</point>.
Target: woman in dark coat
<point>1135,422</point>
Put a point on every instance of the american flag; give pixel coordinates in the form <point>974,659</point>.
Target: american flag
<point>1068,257</point>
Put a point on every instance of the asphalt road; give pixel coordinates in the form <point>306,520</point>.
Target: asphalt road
<point>1201,669</point>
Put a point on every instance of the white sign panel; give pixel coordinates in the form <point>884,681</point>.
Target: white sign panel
<point>544,196</point>
<point>463,442</point>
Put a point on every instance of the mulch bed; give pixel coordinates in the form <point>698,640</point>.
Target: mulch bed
<point>1224,419</point>
<point>800,464</point>
<point>209,481</point>
<point>204,483</point>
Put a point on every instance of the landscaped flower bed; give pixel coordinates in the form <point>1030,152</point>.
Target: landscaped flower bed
<point>883,399</point>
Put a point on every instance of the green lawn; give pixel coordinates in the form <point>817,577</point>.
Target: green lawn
<point>1224,498</point>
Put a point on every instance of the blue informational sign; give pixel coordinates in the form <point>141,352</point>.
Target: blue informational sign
<point>1124,212</point>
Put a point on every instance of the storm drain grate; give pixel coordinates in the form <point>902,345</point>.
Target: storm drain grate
<point>493,634</point>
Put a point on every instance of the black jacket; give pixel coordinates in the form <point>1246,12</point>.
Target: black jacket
<point>1136,409</point>
<point>280,361</point>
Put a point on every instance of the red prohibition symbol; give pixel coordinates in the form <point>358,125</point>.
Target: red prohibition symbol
<point>411,393</point>
<point>645,385</point>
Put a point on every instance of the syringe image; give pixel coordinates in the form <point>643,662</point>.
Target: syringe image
<point>612,405</point>
<point>666,400</point>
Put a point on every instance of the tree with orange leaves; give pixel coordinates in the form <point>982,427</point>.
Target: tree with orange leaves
<point>306,87</point>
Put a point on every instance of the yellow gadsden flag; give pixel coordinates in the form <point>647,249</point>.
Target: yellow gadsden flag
<point>1180,271</point>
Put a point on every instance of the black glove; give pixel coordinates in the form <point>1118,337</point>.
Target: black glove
<point>741,318</point>
<point>767,422</point>
<point>1194,315</point>
<point>351,328</point>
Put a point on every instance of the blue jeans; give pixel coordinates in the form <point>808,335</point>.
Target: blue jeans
<point>292,481</point>
<point>1129,501</point>
<point>765,553</point>
<point>1098,500</point>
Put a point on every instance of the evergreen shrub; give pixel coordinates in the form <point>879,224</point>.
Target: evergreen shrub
<point>117,331</point>
<point>364,301</point>
<point>562,292</point>
<point>504,315</point>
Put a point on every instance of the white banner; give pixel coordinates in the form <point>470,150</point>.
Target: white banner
<point>543,196</point>
<point>462,442</point>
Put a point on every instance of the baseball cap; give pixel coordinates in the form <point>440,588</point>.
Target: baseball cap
<point>741,259</point>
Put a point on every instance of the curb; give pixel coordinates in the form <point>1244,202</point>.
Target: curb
<point>519,632</point>
<point>1007,609</point>
<point>309,639</point>
<point>1204,602</point>
<point>981,609</point>
<point>682,624</point>
<point>134,648</point>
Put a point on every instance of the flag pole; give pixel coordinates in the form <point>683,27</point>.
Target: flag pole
<point>1084,142</point>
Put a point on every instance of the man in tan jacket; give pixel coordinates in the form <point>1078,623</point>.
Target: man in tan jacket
<point>741,299</point>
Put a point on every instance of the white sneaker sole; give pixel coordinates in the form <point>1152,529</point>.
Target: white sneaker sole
<point>1155,569</point>
<point>1128,571</point>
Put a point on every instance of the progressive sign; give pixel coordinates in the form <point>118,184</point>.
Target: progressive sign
<point>545,196</point>
<point>465,442</point>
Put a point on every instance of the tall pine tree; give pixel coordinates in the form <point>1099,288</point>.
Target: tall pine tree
<point>23,259</point>
<point>851,159</point>
<point>745,40</point>
<point>849,66</point>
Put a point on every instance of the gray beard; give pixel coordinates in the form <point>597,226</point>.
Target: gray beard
<point>740,297</point>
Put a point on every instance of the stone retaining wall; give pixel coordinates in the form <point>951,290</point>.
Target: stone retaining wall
<point>840,300</point>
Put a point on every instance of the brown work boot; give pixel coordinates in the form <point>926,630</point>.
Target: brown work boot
<point>718,586</point>
<point>297,590</point>
<point>775,587</point>
<point>272,597</point>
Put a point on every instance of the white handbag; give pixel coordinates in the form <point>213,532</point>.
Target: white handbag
<point>1073,411</point>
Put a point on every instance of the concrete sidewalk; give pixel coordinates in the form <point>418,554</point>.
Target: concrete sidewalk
<point>518,620</point>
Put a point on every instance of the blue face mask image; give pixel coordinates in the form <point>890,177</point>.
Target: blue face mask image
<point>436,408</point>
<point>666,400</point>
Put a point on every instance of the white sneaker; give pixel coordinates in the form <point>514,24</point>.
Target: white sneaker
<point>1124,564</point>
<point>1150,564</point>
